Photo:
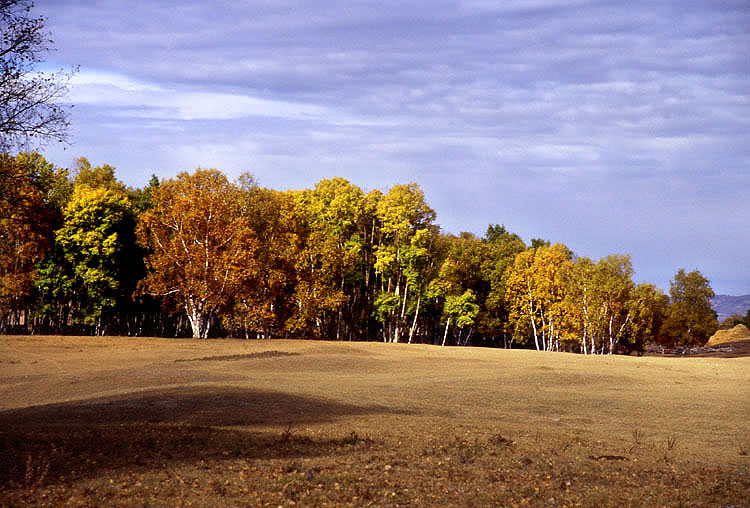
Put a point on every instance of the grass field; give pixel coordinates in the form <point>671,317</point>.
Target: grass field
<point>156,422</point>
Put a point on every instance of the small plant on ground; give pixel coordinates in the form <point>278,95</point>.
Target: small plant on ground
<point>671,442</point>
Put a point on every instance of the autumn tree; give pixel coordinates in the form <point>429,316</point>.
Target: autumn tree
<point>329,266</point>
<point>88,278</point>
<point>402,256</point>
<point>29,214</point>
<point>648,310</point>
<point>265,304</point>
<point>601,304</point>
<point>201,246</point>
<point>536,289</point>
<point>99,177</point>
<point>614,286</point>
<point>30,111</point>
<point>690,321</point>
<point>521,297</point>
<point>581,305</point>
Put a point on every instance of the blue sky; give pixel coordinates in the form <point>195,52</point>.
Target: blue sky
<point>614,127</point>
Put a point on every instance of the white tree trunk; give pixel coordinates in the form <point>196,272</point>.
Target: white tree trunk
<point>416,315</point>
<point>447,324</point>
<point>199,321</point>
<point>531,315</point>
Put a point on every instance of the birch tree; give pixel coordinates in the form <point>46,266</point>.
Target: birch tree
<point>265,303</point>
<point>329,265</point>
<point>648,310</point>
<point>522,297</point>
<point>462,310</point>
<point>406,231</point>
<point>201,246</point>
<point>536,289</point>
<point>613,281</point>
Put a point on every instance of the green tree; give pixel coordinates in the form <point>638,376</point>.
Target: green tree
<point>142,199</point>
<point>690,321</point>
<point>459,276</point>
<point>463,310</point>
<point>539,242</point>
<point>498,233</point>
<point>498,251</point>
<point>401,255</point>
<point>96,241</point>
<point>732,321</point>
<point>329,265</point>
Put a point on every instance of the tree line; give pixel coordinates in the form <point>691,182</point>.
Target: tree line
<point>199,255</point>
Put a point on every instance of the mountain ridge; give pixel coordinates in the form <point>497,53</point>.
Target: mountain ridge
<point>727,305</point>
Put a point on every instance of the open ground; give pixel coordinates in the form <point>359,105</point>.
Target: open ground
<point>156,422</point>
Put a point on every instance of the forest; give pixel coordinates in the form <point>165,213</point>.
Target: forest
<point>199,255</point>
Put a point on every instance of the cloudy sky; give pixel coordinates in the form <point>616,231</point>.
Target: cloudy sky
<point>614,127</point>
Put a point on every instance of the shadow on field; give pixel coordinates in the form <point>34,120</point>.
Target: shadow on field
<point>83,439</point>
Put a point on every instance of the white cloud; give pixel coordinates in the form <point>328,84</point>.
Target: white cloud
<point>148,100</point>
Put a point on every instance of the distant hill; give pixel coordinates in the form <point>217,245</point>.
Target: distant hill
<point>726,305</point>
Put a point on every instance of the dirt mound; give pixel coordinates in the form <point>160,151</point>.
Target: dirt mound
<point>263,354</point>
<point>736,334</point>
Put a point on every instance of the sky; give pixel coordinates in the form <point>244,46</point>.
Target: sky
<point>613,127</point>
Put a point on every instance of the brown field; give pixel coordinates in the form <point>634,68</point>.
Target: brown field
<point>157,422</point>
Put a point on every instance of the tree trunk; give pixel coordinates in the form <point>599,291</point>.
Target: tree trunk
<point>585,318</point>
<point>416,315</point>
<point>544,329</point>
<point>199,321</point>
<point>531,315</point>
<point>583,342</point>
<point>445,335</point>
<point>338,319</point>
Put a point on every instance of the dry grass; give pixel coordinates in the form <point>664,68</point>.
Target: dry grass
<point>738,333</point>
<point>154,422</point>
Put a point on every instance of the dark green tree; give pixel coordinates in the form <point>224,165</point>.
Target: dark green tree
<point>690,321</point>
<point>732,321</point>
<point>539,242</point>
